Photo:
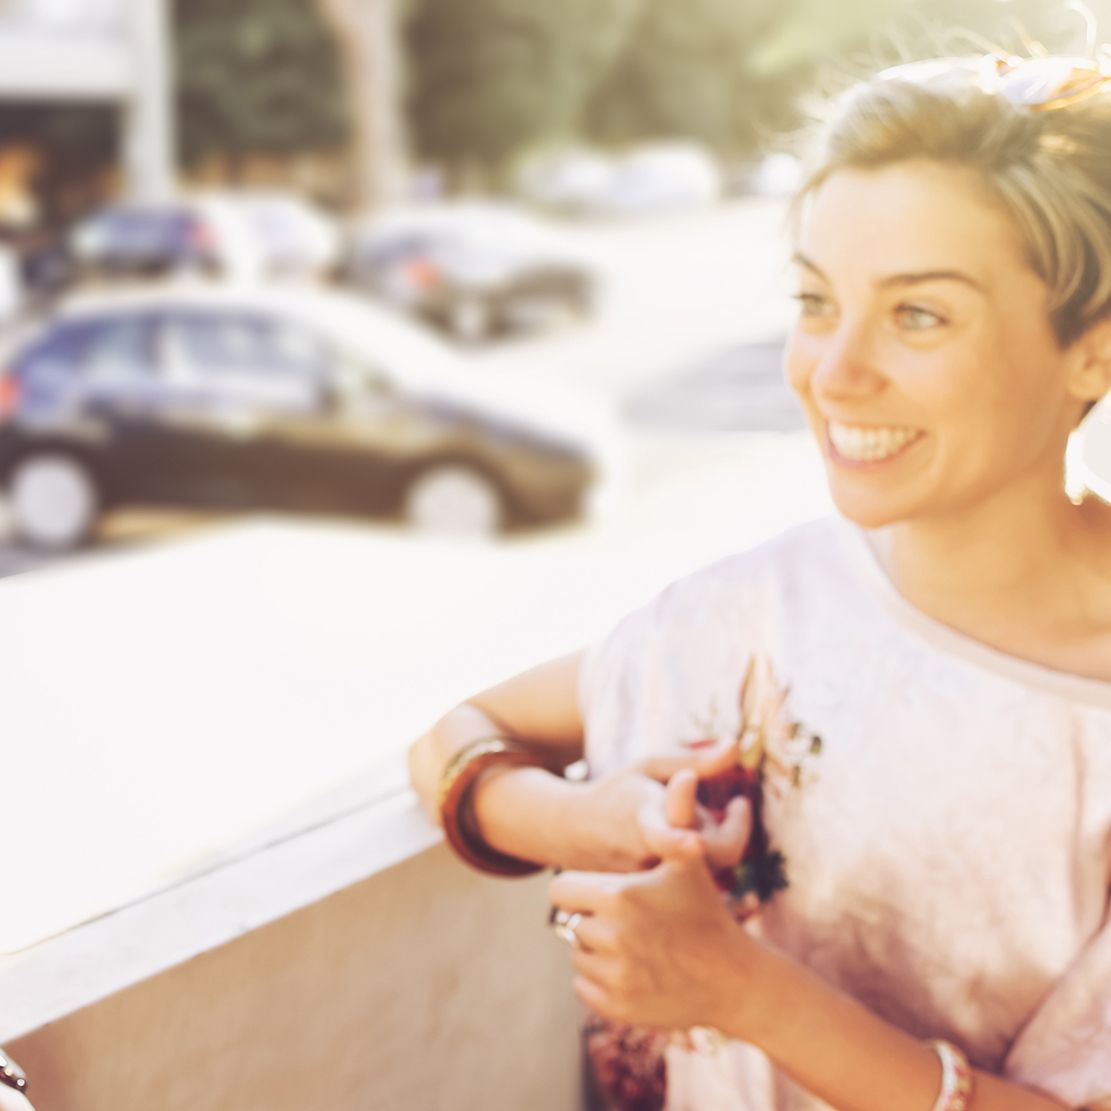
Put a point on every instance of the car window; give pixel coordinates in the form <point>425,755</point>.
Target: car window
<point>145,232</point>
<point>117,351</point>
<point>232,344</point>
<point>106,349</point>
<point>56,353</point>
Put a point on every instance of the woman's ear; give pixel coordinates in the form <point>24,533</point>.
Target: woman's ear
<point>1090,375</point>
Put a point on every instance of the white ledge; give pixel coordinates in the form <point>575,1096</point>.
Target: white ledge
<point>176,719</point>
<point>364,828</point>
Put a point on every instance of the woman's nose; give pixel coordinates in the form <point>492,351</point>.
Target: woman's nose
<point>840,364</point>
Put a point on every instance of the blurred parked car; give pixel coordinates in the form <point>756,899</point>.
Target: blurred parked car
<point>475,269</point>
<point>293,237</point>
<point>652,179</point>
<point>282,398</point>
<point>240,236</point>
<point>153,240</point>
<point>570,181</point>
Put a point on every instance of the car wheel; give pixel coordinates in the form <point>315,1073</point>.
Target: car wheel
<point>454,500</point>
<point>54,500</point>
<point>470,320</point>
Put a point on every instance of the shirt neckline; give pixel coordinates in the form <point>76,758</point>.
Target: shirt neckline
<point>858,547</point>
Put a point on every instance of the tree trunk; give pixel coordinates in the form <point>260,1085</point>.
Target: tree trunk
<point>366,33</point>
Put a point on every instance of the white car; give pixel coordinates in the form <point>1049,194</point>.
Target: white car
<point>473,268</point>
<point>652,179</point>
<point>235,236</point>
<point>292,236</point>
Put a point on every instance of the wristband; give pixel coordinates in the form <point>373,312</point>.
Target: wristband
<point>456,782</point>
<point>956,1078</point>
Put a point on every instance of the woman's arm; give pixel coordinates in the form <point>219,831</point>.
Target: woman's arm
<point>539,707</point>
<point>537,815</point>
<point>661,949</point>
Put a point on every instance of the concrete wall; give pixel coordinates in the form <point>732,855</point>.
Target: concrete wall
<point>423,988</point>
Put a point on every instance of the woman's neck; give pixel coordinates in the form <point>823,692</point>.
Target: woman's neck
<point>1026,572</point>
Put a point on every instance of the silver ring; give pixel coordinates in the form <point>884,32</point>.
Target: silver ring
<point>564,926</point>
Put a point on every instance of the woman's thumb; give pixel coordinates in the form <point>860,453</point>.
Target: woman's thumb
<point>681,803</point>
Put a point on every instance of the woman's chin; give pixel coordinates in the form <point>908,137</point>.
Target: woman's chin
<point>867,508</point>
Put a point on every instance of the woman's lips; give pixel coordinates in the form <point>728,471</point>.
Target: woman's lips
<point>854,443</point>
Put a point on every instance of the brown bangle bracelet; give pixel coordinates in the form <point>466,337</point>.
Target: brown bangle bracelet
<point>455,785</point>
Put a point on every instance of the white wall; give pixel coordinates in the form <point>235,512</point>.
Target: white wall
<point>423,988</point>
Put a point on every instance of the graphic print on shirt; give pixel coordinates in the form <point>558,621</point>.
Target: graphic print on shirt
<point>774,754</point>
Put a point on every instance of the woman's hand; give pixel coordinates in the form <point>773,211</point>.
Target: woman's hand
<point>659,948</point>
<point>623,822</point>
<point>644,820</point>
<point>11,1100</point>
<point>533,814</point>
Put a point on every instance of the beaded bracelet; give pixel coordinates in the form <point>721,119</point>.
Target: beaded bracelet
<point>956,1077</point>
<point>456,782</point>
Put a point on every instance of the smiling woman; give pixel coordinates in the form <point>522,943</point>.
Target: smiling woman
<point>847,833</point>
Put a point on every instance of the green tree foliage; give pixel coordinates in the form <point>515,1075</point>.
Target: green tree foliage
<point>859,35</point>
<point>685,72</point>
<point>490,77</point>
<point>256,77</point>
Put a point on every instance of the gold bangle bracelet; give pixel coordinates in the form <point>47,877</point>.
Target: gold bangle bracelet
<point>956,1077</point>
<point>456,782</point>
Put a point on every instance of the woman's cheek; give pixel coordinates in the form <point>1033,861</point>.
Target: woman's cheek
<point>799,362</point>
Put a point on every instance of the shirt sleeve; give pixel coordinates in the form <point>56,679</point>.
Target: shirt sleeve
<point>670,667</point>
<point>1065,1048</point>
<point>612,683</point>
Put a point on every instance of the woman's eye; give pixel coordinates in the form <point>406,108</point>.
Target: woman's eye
<point>915,318</point>
<point>814,304</point>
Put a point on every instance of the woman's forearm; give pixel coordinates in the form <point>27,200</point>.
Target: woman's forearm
<point>525,812</point>
<point>840,1051</point>
<point>522,816</point>
<point>538,708</point>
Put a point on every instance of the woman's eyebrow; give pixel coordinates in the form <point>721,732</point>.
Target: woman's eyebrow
<point>931,276</point>
<point>799,259</point>
<point>913,278</point>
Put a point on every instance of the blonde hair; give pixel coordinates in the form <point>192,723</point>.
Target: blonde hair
<point>1051,171</point>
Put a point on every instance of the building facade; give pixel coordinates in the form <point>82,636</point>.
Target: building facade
<point>98,51</point>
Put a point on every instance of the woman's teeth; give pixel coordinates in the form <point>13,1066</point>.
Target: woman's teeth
<point>868,445</point>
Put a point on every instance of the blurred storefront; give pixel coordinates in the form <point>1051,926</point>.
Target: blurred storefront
<point>111,53</point>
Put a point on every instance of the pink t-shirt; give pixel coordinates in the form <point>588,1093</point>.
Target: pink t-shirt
<point>948,849</point>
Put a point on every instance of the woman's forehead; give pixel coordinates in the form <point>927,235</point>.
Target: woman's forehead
<point>911,217</point>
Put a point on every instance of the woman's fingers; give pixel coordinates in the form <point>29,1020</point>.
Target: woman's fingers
<point>593,996</point>
<point>666,833</point>
<point>725,842</point>
<point>595,967</point>
<point>681,801</point>
<point>662,768</point>
<point>585,892</point>
<point>704,761</point>
<point>596,935</point>
<point>661,838</point>
<point>720,758</point>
